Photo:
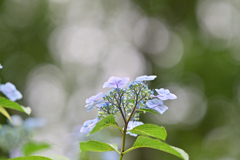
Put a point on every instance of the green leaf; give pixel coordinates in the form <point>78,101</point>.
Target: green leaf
<point>0,126</point>
<point>13,105</point>
<point>148,110</point>
<point>32,147</point>
<point>57,157</point>
<point>107,121</point>
<point>5,113</point>
<point>96,146</point>
<point>31,158</point>
<point>151,130</point>
<point>143,141</point>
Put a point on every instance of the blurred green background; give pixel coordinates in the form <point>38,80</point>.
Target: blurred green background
<point>60,52</point>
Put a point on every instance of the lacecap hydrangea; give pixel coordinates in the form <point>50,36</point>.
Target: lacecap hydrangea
<point>129,102</point>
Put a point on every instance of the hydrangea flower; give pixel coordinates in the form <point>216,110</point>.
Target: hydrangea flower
<point>1,66</point>
<point>89,125</point>
<point>10,91</point>
<point>157,105</point>
<point>92,101</point>
<point>131,125</point>
<point>164,94</point>
<point>145,78</point>
<point>116,82</point>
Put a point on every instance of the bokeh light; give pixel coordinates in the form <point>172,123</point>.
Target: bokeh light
<point>60,52</point>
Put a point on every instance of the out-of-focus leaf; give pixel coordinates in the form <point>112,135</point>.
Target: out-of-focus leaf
<point>147,142</point>
<point>151,130</point>
<point>107,121</point>
<point>5,113</point>
<point>32,147</point>
<point>4,102</point>
<point>31,158</point>
<point>96,146</point>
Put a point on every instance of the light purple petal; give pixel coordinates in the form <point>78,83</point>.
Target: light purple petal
<point>157,105</point>
<point>164,94</point>
<point>89,125</point>
<point>93,99</point>
<point>84,129</point>
<point>154,103</point>
<point>162,97</point>
<point>10,91</point>
<point>116,82</point>
<point>123,82</point>
<point>161,109</point>
<point>172,96</point>
<point>146,78</point>
<point>93,105</point>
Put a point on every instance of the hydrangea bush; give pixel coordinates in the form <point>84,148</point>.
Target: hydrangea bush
<point>12,94</point>
<point>15,137</point>
<point>129,103</point>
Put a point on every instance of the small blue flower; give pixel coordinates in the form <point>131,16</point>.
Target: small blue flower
<point>146,78</point>
<point>16,120</point>
<point>89,125</point>
<point>32,123</point>
<point>131,125</point>
<point>1,66</point>
<point>116,82</point>
<point>157,105</point>
<point>164,94</point>
<point>10,91</point>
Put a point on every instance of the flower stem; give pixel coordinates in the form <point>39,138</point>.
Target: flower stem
<point>123,141</point>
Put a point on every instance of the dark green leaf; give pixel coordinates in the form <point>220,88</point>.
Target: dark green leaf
<point>147,142</point>
<point>96,146</point>
<point>13,105</point>
<point>31,158</point>
<point>32,147</point>
<point>107,121</point>
<point>151,130</point>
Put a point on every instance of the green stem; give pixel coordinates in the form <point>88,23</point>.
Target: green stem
<point>123,141</point>
<point>121,156</point>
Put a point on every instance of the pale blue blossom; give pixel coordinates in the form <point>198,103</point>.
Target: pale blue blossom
<point>157,105</point>
<point>16,120</point>
<point>131,125</point>
<point>146,78</point>
<point>164,94</point>
<point>1,66</point>
<point>116,82</point>
<point>10,91</point>
<point>89,125</point>
<point>32,123</point>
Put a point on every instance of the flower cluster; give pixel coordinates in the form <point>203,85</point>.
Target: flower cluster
<point>128,102</point>
<point>10,91</point>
